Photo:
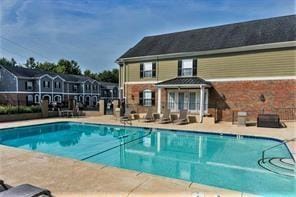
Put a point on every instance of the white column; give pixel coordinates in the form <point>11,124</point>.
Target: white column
<point>201,103</point>
<point>159,100</point>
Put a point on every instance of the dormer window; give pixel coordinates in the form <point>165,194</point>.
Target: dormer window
<point>75,88</point>
<point>29,85</point>
<point>57,84</point>
<point>46,84</point>
<point>87,86</point>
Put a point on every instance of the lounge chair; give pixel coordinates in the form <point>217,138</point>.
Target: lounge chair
<point>24,190</point>
<point>166,117</point>
<point>127,117</point>
<point>182,118</point>
<point>149,116</point>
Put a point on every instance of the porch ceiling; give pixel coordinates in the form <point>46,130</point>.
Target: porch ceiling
<point>184,82</point>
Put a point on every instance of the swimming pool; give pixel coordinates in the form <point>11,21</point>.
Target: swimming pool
<point>225,161</point>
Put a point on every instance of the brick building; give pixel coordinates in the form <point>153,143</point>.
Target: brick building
<point>23,86</point>
<point>247,66</point>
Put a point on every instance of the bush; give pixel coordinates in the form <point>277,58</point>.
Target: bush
<point>10,109</point>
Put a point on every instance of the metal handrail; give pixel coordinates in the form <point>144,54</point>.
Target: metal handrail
<point>284,142</point>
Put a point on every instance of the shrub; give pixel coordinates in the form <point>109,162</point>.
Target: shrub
<point>10,109</point>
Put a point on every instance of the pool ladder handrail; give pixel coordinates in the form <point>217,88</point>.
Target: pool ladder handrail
<point>272,147</point>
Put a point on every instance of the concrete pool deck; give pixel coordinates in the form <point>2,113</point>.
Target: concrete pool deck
<point>68,177</point>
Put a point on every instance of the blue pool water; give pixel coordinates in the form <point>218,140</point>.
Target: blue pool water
<point>216,160</point>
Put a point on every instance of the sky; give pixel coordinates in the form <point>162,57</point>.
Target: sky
<point>95,33</point>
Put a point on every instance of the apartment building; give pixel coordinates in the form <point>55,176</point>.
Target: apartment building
<point>247,66</point>
<point>24,86</point>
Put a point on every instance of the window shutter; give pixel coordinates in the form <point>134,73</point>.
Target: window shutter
<point>140,98</point>
<point>48,84</point>
<point>194,70</point>
<point>154,69</point>
<point>26,85</point>
<point>141,70</point>
<point>179,67</point>
<point>153,98</point>
<point>43,83</point>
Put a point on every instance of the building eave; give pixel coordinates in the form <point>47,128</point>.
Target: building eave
<point>278,45</point>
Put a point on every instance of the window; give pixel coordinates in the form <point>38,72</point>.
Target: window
<point>29,85</point>
<point>95,87</point>
<point>75,88</point>
<point>58,99</point>
<point>87,86</point>
<point>187,67</point>
<point>148,69</point>
<point>57,85</point>
<point>147,98</point>
<point>29,100</point>
<point>36,98</point>
<point>46,84</point>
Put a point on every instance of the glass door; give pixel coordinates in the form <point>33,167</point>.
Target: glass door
<point>172,101</point>
<point>181,101</point>
<point>192,102</point>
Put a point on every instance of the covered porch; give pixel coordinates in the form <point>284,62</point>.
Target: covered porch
<point>184,93</point>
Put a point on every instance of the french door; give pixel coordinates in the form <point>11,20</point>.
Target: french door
<point>190,100</point>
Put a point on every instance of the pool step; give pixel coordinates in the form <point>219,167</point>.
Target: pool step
<point>282,166</point>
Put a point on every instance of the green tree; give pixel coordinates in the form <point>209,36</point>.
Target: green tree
<point>47,66</point>
<point>68,67</point>
<point>30,63</point>
<point>7,62</point>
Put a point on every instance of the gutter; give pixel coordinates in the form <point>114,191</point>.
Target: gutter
<point>209,52</point>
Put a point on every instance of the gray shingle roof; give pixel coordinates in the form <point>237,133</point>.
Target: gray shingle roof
<point>184,81</point>
<point>264,31</point>
<point>27,72</point>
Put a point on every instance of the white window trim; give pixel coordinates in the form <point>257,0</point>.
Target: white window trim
<point>49,100</point>
<point>144,98</point>
<point>147,68</point>
<point>32,98</point>
<point>59,100</point>
<point>36,98</point>
<point>187,64</point>
<point>31,87</point>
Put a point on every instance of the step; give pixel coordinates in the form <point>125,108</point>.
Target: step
<point>288,161</point>
<point>277,162</point>
<point>276,169</point>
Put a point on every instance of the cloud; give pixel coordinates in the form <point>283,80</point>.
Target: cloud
<point>95,33</point>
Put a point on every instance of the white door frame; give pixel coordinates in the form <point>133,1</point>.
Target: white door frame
<point>186,99</point>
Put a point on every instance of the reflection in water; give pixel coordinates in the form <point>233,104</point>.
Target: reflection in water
<point>215,160</point>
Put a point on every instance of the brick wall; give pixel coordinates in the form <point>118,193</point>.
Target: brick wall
<point>12,99</point>
<point>245,96</point>
<point>132,94</point>
<point>226,97</point>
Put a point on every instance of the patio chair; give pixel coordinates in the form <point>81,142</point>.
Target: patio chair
<point>149,115</point>
<point>3,186</point>
<point>166,117</point>
<point>24,190</point>
<point>182,118</point>
<point>127,117</point>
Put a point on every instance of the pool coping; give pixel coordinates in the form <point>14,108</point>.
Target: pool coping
<point>162,129</point>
